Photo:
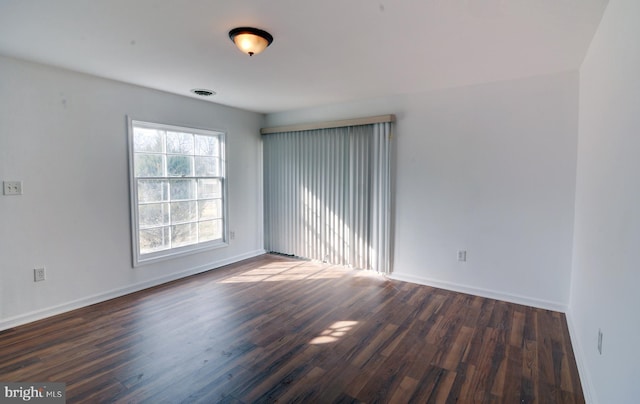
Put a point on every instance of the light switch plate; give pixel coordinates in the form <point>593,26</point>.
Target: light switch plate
<point>12,187</point>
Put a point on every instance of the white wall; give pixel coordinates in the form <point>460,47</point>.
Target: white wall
<point>606,274</point>
<point>489,169</point>
<point>64,135</point>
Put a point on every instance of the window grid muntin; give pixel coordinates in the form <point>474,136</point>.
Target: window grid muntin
<point>214,142</point>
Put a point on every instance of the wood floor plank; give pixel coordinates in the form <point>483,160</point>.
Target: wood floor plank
<point>404,391</point>
<point>517,329</point>
<point>530,370</point>
<point>513,375</point>
<point>276,329</point>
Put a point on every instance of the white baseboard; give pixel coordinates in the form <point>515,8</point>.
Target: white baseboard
<point>101,297</point>
<point>491,294</point>
<point>578,352</point>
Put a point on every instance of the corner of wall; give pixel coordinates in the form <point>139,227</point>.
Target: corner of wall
<point>578,353</point>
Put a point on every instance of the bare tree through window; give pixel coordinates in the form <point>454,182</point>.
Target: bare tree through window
<point>178,183</point>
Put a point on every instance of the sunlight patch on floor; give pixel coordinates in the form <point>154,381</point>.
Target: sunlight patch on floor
<point>335,331</point>
<point>280,273</point>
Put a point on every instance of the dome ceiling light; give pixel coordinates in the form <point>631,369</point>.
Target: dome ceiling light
<point>250,40</point>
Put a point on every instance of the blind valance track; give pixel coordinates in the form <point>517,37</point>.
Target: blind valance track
<point>330,124</point>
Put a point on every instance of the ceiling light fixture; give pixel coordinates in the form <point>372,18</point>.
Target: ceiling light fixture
<point>250,40</point>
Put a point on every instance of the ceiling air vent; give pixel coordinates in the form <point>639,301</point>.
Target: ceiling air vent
<point>202,92</point>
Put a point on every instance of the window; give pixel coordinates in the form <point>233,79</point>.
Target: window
<point>177,190</point>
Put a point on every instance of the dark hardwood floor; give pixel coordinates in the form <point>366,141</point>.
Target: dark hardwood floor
<point>273,329</point>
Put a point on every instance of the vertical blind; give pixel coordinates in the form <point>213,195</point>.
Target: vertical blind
<point>327,194</point>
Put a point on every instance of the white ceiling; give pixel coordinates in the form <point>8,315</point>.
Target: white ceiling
<point>323,51</point>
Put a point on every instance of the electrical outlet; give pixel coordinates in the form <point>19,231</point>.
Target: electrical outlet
<point>39,275</point>
<point>600,341</point>
<point>12,187</point>
<point>462,255</point>
<point>232,235</point>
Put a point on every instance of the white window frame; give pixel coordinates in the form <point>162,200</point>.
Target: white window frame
<point>172,252</point>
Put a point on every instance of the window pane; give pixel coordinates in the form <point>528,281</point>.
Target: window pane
<point>184,234</point>
<point>179,143</point>
<point>210,230</point>
<point>147,140</point>
<point>207,145</point>
<point>183,189</point>
<point>179,166</point>
<point>148,165</point>
<point>153,215</point>
<point>154,240</point>
<point>178,188</point>
<point>210,209</point>
<point>209,188</point>
<point>183,212</point>
<point>207,166</point>
<point>153,190</point>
